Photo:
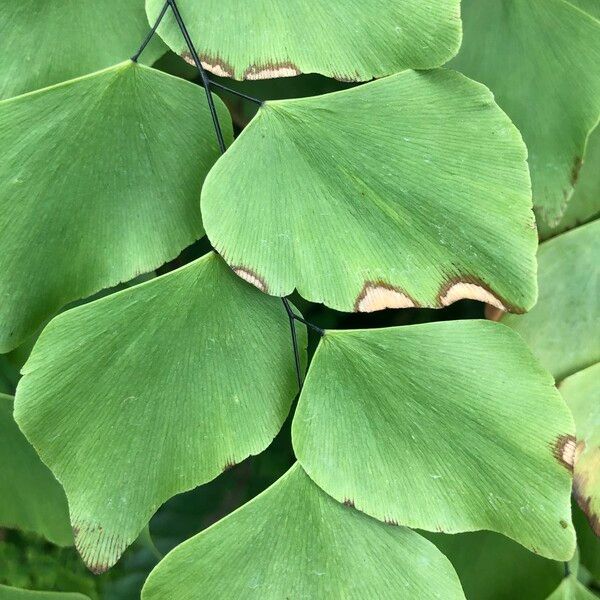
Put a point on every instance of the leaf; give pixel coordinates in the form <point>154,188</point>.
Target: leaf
<point>445,427</point>
<point>30,498</point>
<point>344,39</point>
<point>592,7</point>
<point>571,589</point>
<point>582,394</point>
<point>161,386</point>
<point>548,84</point>
<point>101,176</point>
<point>411,190</point>
<point>44,42</point>
<point>12,593</point>
<point>588,543</point>
<point>585,202</point>
<point>303,545</point>
<point>492,567</point>
<point>563,329</point>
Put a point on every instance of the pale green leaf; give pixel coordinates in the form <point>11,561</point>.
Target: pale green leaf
<point>152,391</point>
<point>445,427</point>
<point>584,205</point>
<point>411,190</point>
<point>100,181</point>
<point>30,498</point>
<point>43,42</point>
<point>563,329</point>
<point>582,394</point>
<point>12,593</point>
<point>590,6</point>
<point>492,567</point>
<point>345,39</point>
<point>540,59</point>
<point>294,541</point>
<point>571,589</point>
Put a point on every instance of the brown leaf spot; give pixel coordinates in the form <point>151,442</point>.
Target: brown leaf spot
<point>217,66</point>
<point>564,451</point>
<point>472,288</point>
<point>391,522</point>
<point>228,465</point>
<point>377,295</point>
<point>348,502</point>
<point>251,277</point>
<point>563,524</point>
<point>271,71</point>
<point>575,169</point>
<point>493,313</point>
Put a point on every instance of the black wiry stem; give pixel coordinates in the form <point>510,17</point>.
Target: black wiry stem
<point>205,80</point>
<point>236,93</point>
<point>148,37</point>
<point>320,331</point>
<point>291,317</point>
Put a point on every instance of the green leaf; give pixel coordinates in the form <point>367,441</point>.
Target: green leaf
<point>588,543</point>
<point>492,567</point>
<point>584,205</point>
<point>548,84</point>
<point>44,42</point>
<point>99,181</point>
<point>344,39</point>
<point>582,394</point>
<point>30,498</point>
<point>12,593</point>
<point>563,329</point>
<point>445,427</point>
<point>571,589</point>
<point>411,190</point>
<point>295,541</point>
<point>590,6</point>
<point>161,387</point>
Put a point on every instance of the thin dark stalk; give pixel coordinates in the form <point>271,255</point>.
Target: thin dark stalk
<point>291,317</point>
<point>205,80</point>
<point>225,88</point>
<point>320,331</point>
<point>148,37</point>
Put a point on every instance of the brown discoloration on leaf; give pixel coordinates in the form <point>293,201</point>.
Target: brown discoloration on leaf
<point>228,465</point>
<point>251,277</point>
<point>563,524</point>
<point>217,66</point>
<point>377,295</point>
<point>391,522</point>
<point>468,287</point>
<point>586,480</point>
<point>271,71</point>
<point>349,503</point>
<point>493,313</point>
<point>564,451</point>
<point>575,169</point>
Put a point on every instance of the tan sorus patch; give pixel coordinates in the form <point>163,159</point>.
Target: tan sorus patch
<point>581,491</point>
<point>564,450</point>
<point>379,296</point>
<point>251,277</point>
<point>468,289</point>
<point>271,71</point>
<point>216,66</point>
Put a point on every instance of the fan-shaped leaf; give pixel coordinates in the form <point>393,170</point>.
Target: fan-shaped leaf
<point>345,39</point>
<point>295,541</point>
<point>563,329</point>
<point>540,58</point>
<point>444,426</point>
<point>582,393</point>
<point>152,391</point>
<point>101,176</point>
<point>43,42</point>
<point>12,593</point>
<point>411,190</point>
<point>571,589</point>
<point>30,498</point>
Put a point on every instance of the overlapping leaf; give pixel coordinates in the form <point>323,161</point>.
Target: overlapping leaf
<point>295,541</point>
<point>43,42</point>
<point>563,329</point>
<point>443,426</point>
<point>30,498</point>
<point>12,593</point>
<point>345,39</point>
<point>409,191</point>
<point>540,59</point>
<point>99,181</point>
<point>582,393</point>
<point>571,589</point>
<point>160,387</point>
